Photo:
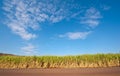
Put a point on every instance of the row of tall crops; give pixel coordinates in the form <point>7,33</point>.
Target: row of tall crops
<point>90,60</point>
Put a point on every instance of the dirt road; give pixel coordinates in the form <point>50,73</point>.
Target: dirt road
<point>115,71</point>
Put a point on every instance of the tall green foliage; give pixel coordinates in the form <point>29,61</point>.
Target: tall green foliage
<point>95,60</point>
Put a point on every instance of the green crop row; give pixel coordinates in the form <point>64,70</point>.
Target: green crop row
<point>95,60</point>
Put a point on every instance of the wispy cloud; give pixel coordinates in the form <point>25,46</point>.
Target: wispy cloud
<point>29,49</point>
<point>105,7</point>
<point>75,35</point>
<point>21,31</point>
<point>26,16</point>
<point>91,17</point>
<point>19,20</point>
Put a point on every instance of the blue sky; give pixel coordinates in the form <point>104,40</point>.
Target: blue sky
<point>59,27</point>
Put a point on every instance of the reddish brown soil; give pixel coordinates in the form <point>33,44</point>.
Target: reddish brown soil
<point>114,71</point>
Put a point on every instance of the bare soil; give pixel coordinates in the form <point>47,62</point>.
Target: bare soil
<point>113,71</point>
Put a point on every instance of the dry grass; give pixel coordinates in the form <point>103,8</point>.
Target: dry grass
<point>96,60</point>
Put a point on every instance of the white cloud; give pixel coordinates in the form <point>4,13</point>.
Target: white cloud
<point>25,16</point>
<point>91,17</point>
<point>19,20</point>
<point>54,19</point>
<point>21,31</point>
<point>75,35</point>
<point>29,49</point>
<point>91,23</point>
<point>105,7</point>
